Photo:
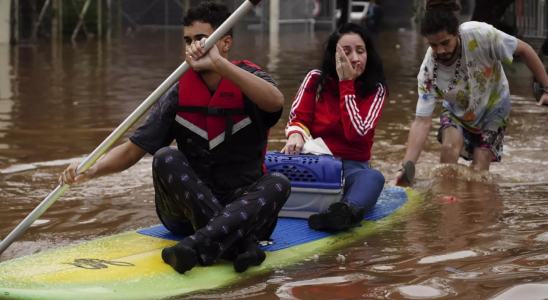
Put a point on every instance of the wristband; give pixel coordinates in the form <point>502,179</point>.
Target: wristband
<point>295,131</point>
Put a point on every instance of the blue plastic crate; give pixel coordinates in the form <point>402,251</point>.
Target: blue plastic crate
<point>307,171</point>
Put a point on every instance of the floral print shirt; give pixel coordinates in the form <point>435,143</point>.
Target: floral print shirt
<point>481,98</point>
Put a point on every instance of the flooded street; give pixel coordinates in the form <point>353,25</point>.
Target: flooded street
<point>59,102</point>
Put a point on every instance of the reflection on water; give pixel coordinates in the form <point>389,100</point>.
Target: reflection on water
<point>446,257</point>
<point>420,292</point>
<point>525,292</point>
<point>58,102</point>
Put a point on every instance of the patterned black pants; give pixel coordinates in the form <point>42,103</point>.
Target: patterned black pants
<point>186,206</point>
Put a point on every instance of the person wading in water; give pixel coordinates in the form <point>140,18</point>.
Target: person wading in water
<point>463,67</point>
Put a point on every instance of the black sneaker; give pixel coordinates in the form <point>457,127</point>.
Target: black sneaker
<point>358,213</point>
<point>337,217</point>
<point>250,255</point>
<point>181,257</point>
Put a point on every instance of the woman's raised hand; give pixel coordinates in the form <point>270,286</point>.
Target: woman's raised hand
<point>344,66</point>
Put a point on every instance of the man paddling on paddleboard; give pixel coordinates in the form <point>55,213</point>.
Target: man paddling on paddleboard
<point>463,67</point>
<point>213,188</point>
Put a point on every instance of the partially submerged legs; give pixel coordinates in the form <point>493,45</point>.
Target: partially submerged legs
<point>451,145</point>
<point>482,159</point>
<point>481,148</point>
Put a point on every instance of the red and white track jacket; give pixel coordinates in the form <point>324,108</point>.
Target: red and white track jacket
<point>345,121</point>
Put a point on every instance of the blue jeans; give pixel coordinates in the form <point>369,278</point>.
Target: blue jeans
<point>363,185</point>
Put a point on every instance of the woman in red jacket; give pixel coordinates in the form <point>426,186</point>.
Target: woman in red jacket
<point>342,103</point>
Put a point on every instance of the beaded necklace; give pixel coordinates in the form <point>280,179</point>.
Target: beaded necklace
<point>453,83</point>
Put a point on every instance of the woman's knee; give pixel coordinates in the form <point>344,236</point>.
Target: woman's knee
<point>365,189</point>
<point>368,178</point>
<point>377,178</point>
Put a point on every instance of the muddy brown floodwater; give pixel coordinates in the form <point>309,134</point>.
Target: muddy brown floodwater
<point>59,101</point>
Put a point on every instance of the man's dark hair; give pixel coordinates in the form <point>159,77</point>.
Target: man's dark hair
<point>440,16</point>
<point>210,12</point>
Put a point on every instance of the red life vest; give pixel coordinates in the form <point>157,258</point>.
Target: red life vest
<point>202,124</point>
<point>213,117</point>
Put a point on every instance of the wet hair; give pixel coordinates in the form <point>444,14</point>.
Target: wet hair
<point>440,16</point>
<point>210,12</point>
<point>373,73</point>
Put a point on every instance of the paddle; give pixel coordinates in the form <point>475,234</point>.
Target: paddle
<point>116,134</point>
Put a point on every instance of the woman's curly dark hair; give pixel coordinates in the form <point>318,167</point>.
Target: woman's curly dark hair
<point>371,76</point>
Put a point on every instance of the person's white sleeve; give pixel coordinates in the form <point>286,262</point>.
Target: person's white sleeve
<point>504,46</point>
<point>427,97</point>
<point>499,45</point>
